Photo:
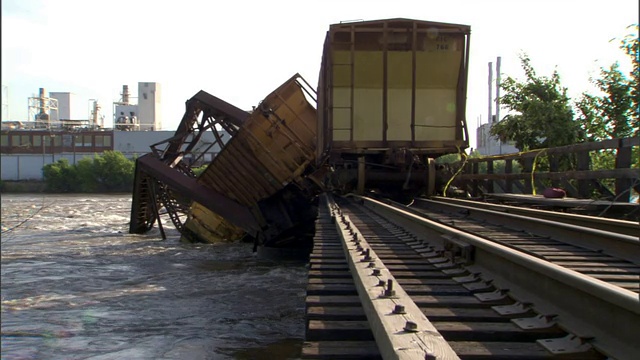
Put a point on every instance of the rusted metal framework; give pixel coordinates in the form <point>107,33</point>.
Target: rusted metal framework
<point>163,178</point>
<point>262,182</point>
<point>265,167</point>
<point>204,112</point>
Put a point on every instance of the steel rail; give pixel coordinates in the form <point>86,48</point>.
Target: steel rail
<point>398,325</point>
<point>622,246</point>
<point>606,224</point>
<point>606,316</point>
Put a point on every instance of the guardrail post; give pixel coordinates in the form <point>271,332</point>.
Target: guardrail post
<point>583,165</point>
<point>508,169</point>
<point>490,171</point>
<point>623,161</point>
<point>527,168</point>
<point>475,190</point>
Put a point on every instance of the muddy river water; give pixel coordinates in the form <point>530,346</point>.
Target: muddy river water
<point>76,285</point>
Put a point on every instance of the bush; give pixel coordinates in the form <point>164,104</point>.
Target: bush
<point>60,177</point>
<point>113,172</point>
<point>86,179</point>
<point>109,172</point>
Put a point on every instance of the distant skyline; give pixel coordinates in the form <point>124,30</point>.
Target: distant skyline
<point>242,50</point>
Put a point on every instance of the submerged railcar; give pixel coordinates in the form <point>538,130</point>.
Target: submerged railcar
<point>267,168</point>
<point>391,98</point>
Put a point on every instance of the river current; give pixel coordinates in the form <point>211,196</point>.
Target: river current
<point>76,285</point>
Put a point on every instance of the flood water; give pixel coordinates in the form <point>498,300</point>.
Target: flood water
<point>76,285</point>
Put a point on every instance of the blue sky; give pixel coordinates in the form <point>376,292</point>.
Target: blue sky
<point>241,50</point>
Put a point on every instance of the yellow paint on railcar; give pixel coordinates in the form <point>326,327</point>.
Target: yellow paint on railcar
<point>210,227</point>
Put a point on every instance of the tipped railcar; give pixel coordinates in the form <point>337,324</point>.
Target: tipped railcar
<point>261,184</point>
<point>391,98</point>
<point>267,168</point>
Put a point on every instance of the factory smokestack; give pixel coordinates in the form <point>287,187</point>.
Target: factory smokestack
<point>41,95</point>
<point>95,115</point>
<point>125,94</point>
<point>490,94</point>
<point>42,115</point>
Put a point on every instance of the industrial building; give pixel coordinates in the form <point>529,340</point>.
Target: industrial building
<point>143,116</point>
<point>487,144</point>
<point>490,145</point>
<point>57,129</point>
<point>25,152</point>
<point>69,106</point>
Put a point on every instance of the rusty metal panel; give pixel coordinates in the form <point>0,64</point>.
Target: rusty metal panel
<point>272,149</point>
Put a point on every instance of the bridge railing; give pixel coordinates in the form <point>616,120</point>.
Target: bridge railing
<point>532,171</point>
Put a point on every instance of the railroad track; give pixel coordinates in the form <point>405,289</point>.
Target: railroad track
<point>598,247</point>
<point>600,223</point>
<point>427,290</point>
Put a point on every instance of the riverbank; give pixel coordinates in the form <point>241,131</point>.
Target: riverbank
<point>22,187</point>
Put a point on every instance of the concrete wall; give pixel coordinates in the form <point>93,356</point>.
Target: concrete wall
<point>29,167</point>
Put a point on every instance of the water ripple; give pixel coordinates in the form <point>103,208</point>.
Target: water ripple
<point>76,285</point>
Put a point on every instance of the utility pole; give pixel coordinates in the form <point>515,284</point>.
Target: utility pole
<point>5,103</point>
<point>488,139</point>
<point>498,60</point>
<point>490,91</point>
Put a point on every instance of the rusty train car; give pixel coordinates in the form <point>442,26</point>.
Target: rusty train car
<point>391,98</point>
<point>261,185</point>
<point>267,168</point>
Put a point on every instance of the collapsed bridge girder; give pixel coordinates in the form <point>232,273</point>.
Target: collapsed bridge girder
<point>204,112</point>
<point>190,188</point>
<point>262,182</point>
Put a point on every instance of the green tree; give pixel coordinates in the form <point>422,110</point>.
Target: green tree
<point>109,172</point>
<point>60,177</point>
<point>448,159</point>
<point>540,111</point>
<point>113,171</point>
<point>87,181</point>
<point>615,113</point>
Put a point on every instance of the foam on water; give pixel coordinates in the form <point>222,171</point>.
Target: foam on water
<point>76,285</point>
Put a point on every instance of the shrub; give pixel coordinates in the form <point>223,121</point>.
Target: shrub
<point>113,172</point>
<point>61,177</point>
<point>109,172</point>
